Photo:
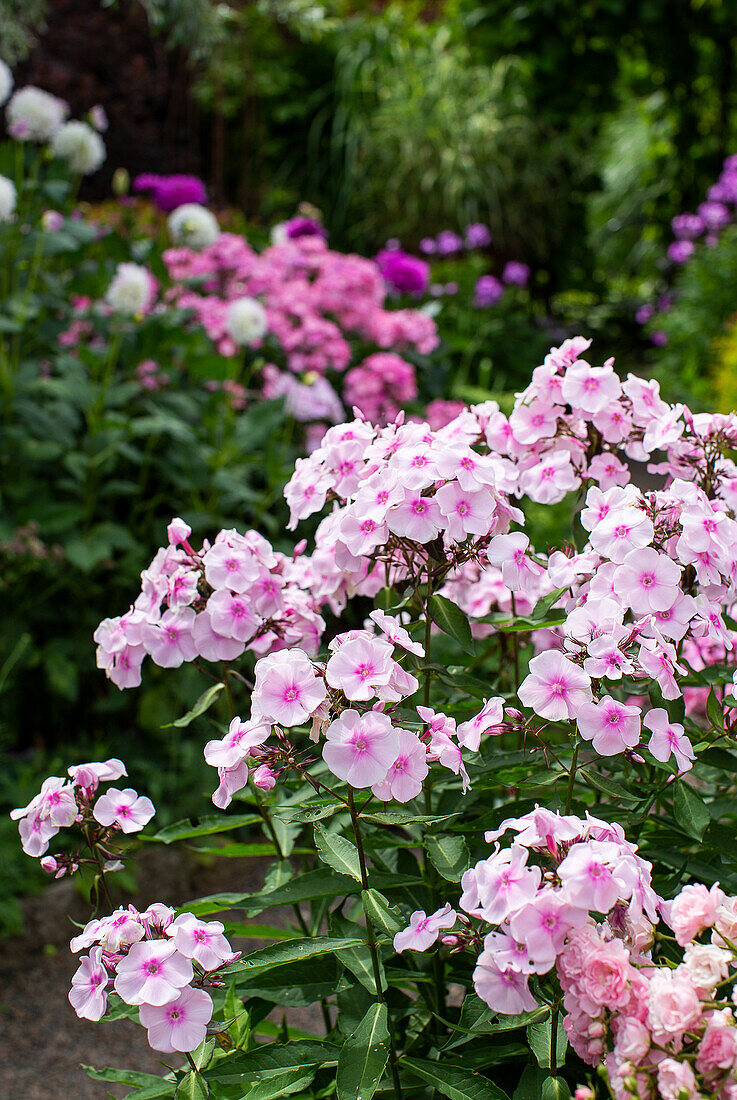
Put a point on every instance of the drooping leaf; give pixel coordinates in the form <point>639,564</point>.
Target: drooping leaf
<point>192,1087</point>
<point>690,810</point>
<point>449,855</point>
<point>203,826</point>
<point>381,913</point>
<point>363,1056</point>
<point>338,852</point>
<point>204,703</point>
<point>453,1082</point>
<point>452,621</point>
<point>539,1036</point>
<point>273,1058</point>
<point>290,951</point>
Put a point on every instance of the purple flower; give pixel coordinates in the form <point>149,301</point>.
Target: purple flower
<point>680,251</point>
<point>305,227</point>
<point>515,273</point>
<point>428,246</point>
<point>488,291</point>
<point>644,314</point>
<point>477,235</point>
<point>169,192</point>
<point>404,273</point>
<point>448,242</point>
<point>715,214</point>
<point>687,226</point>
<point>659,338</point>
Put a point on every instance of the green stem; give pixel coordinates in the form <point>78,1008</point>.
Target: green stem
<point>572,778</point>
<point>554,1040</point>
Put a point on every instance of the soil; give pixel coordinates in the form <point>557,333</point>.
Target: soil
<point>42,1043</point>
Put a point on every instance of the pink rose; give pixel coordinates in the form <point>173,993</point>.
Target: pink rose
<point>675,1077</point>
<point>693,910</point>
<point>605,974</point>
<point>673,1005</point>
<point>633,1040</point>
<point>717,1050</point>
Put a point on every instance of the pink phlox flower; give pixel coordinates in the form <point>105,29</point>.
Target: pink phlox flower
<point>179,1025</point>
<point>423,931</point>
<point>212,645</point>
<point>126,809</point>
<point>264,778</point>
<point>237,743</point>
<point>361,748</point>
<point>589,875</point>
<point>418,518</point>
<point>169,641</point>
<point>611,726</point>
<point>608,471</point>
<point>360,667</point>
<point>472,471</point>
<point>183,588</point>
<point>606,659</point>
<point>178,531</point>
<point>543,925</point>
<point>500,885</point>
<point>158,918</point>
<point>504,991</point>
<point>491,715</point>
<point>232,780</point>
<point>656,658</point>
<point>202,941</point>
<point>510,554</point>
<point>647,581</point>
<point>507,953</point>
<point>550,479</point>
<point>594,619</point>
<point>536,421</point>
<point>232,615</point>
<point>230,566</point>
<point>673,623</point>
<point>403,780</point>
<point>590,389</point>
<point>668,738</point>
<point>466,512</point>
<point>540,828</point>
<point>396,633</point>
<point>152,973</point>
<point>89,776</point>
<point>622,530</point>
<point>600,503</point>
<point>88,995</point>
<point>555,688</point>
<point>287,690</point>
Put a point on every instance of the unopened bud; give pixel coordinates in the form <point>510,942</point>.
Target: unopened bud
<point>49,865</point>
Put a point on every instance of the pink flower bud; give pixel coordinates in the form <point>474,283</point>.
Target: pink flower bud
<point>49,864</point>
<point>264,778</point>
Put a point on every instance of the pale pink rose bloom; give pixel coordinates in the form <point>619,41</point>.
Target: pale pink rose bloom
<point>237,743</point>
<point>403,780</point>
<point>417,518</point>
<point>180,1025</point>
<point>611,726</point>
<point>505,991</point>
<point>200,940</point>
<point>604,976</point>
<point>423,931</point>
<point>126,809</point>
<point>707,965</point>
<point>673,1004</point>
<point>360,667</point>
<point>676,1080</point>
<point>725,922</point>
<point>360,748</point>
<point>668,738</point>
<point>588,874</point>
<point>491,715</point>
<point>691,911</point>
<point>152,973</point>
<point>717,1050</point>
<point>647,581</point>
<point>287,690</point>
<point>543,925</point>
<point>87,995</point>
<point>555,688</point>
<point>396,633</point>
<point>633,1040</point>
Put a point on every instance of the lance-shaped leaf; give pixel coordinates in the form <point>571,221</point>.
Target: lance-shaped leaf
<point>204,703</point>
<point>203,826</point>
<point>453,1082</point>
<point>364,1056</point>
<point>381,913</point>
<point>338,853</point>
<point>452,621</point>
<point>449,855</point>
<point>192,1087</point>
<point>290,951</point>
<point>690,810</point>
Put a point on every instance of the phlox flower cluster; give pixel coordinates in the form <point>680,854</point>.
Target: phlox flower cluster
<point>380,386</point>
<point>230,596</point>
<point>523,904</point>
<point>62,803</point>
<point>158,962</point>
<point>348,702</point>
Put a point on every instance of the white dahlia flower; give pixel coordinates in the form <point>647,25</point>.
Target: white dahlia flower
<point>246,321</point>
<point>6,82</point>
<point>34,115</point>
<point>131,290</point>
<point>193,225</point>
<point>8,198</point>
<point>80,146</point>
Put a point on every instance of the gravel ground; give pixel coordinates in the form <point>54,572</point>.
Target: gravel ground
<point>42,1043</point>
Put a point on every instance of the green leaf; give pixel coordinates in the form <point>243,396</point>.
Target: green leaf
<point>150,1085</point>
<point>381,913</point>
<point>203,826</point>
<point>204,703</point>
<point>531,1083</point>
<point>543,605</point>
<point>555,1088</point>
<point>690,810</point>
<point>539,1036</point>
<point>714,711</point>
<point>606,785</point>
<point>237,1017</point>
<point>338,852</point>
<point>404,817</point>
<point>456,1084</point>
<point>308,887</point>
<point>294,984</point>
<point>192,1087</point>
<point>452,621</point>
<point>360,963</point>
<point>283,1083</point>
<point>279,954</point>
<point>273,1058</point>
<point>449,855</point>
<point>363,1056</point>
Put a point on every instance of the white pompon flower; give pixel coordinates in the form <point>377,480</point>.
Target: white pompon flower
<point>35,115</point>
<point>79,145</point>
<point>131,290</point>
<point>6,82</point>
<point>246,321</point>
<point>8,198</point>
<point>193,225</point>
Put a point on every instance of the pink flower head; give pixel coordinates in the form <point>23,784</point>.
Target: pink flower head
<point>423,931</point>
<point>668,738</point>
<point>169,641</point>
<point>88,996</point>
<point>287,690</point>
<point>555,688</point>
<point>178,532</point>
<point>466,511</point>
<point>200,940</point>
<point>622,530</point>
<point>404,779</point>
<point>89,776</point>
<point>611,726</point>
<point>418,518</point>
<point>126,809</point>
<point>489,717</point>
<point>361,667</point>
<point>396,633</point>
<point>504,991</point>
<point>588,874</point>
<point>152,973</point>
<point>673,1005</point>
<point>509,553</point>
<point>647,581</point>
<point>543,925</point>
<point>179,1025</point>
<point>361,748</point>
<point>500,885</point>
<point>590,389</point>
<point>237,743</point>
<point>691,911</point>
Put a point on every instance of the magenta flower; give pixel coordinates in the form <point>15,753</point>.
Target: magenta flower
<point>516,273</point>
<point>361,748</point>
<point>648,581</point>
<point>555,688</point>
<point>396,633</point>
<point>287,690</point>
<point>404,779</point>
<point>152,973</point>
<point>180,1025</point>
<point>361,667</point>
<point>668,738</point>
<point>404,273</point>
<point>88,995</point>
<point>423,931</point>
<point>610,725</point>
<point>590,389</point>
<point>126,809</point>
<point>544,923</point>
<point>488,291</point>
